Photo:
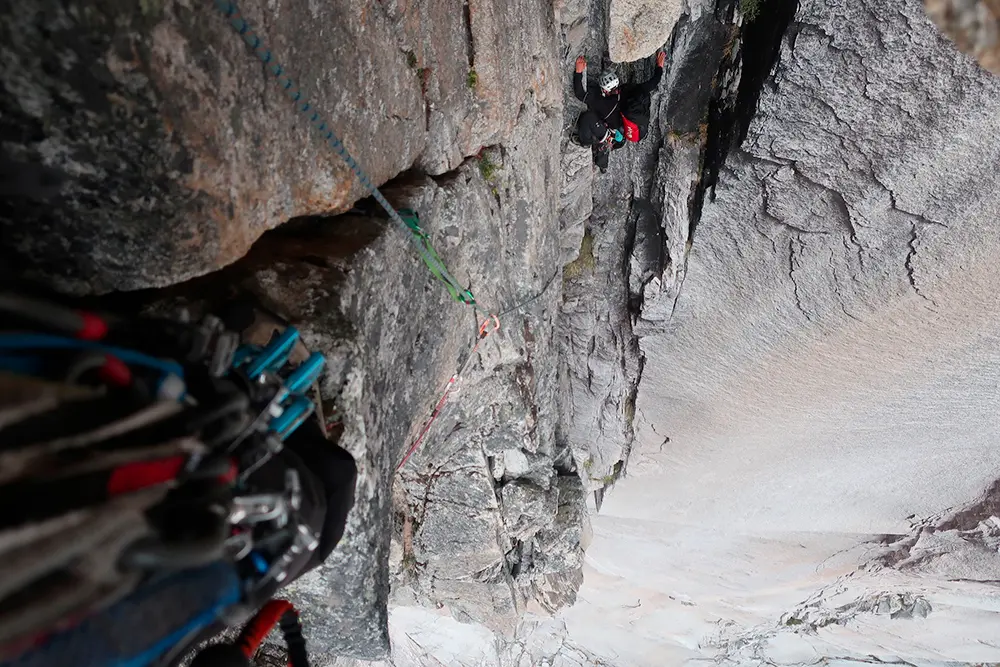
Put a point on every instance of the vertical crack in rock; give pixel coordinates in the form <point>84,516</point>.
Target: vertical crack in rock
<point>852,230</point>
<point>910,256</point>
<point>702,111</point>
<point>794,262</point>
<point>470,43</point>
<point>752,54</point>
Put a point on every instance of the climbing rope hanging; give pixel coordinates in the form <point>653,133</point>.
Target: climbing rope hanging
<point>489,325</point>
<point>406,219</point>
<point>419,238</point>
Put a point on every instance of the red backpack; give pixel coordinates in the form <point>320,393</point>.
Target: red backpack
<point>635,115</point>
<point>632,131</point>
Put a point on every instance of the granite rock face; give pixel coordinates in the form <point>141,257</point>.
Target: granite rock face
<point>637,28</point>
<point>463,522</point>
<point>145,145</point>
<point>778,399</point>
<point>492,453</point>
<point>631,234</point>
<point>157,148</point>
<point>820,395</point>
<point>821,346</point>
<point>474,79</point>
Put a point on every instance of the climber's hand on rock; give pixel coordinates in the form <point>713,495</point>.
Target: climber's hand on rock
<point>661,59</point>
<point>581,64</point>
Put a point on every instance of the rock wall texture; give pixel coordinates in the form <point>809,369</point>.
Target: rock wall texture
<point>484,518</point>
<point>780,391</point>
<point>488,518</point>
<point>819,402</point>
<point>151,128</point>
<point>637,28</point>
<point>813,371</point>
<point>144,146</point>
<point>631,231</point>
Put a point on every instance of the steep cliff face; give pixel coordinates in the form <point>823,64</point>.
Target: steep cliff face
<point>148,128</point>
<point>145,145</point>
<point>475,521</point>
<point>633,230</point>
<point>823,396</point>
<point>776,379</point>
<point>800,395</point>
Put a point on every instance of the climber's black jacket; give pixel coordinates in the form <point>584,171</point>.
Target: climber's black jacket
<point>608,107</point>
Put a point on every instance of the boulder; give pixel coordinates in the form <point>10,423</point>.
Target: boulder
<point>637,28</point>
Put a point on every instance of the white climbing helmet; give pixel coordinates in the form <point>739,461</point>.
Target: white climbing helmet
<point>608,81</point>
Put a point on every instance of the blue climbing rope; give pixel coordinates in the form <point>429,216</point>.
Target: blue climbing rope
<point>417,236</point>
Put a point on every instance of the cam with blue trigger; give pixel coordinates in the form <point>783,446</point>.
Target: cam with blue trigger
<point>279,394</point>
<point>289,407</point>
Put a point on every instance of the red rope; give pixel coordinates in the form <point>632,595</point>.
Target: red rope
<point>485,329</point>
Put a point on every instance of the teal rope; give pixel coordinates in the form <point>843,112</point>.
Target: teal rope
<point>417,236</point>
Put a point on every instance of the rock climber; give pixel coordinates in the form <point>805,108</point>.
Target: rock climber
<point>601,125</point>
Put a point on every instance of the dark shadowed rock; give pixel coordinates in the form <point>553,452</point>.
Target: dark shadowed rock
<point>157,147</point>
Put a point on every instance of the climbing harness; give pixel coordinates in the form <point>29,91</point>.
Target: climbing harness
<point>127,473</point>
<point>488,326</point>
<point>419,238</point>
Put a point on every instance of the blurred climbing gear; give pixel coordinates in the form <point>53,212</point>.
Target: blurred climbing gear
<point>240,653</point>
<point>149,490</point>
